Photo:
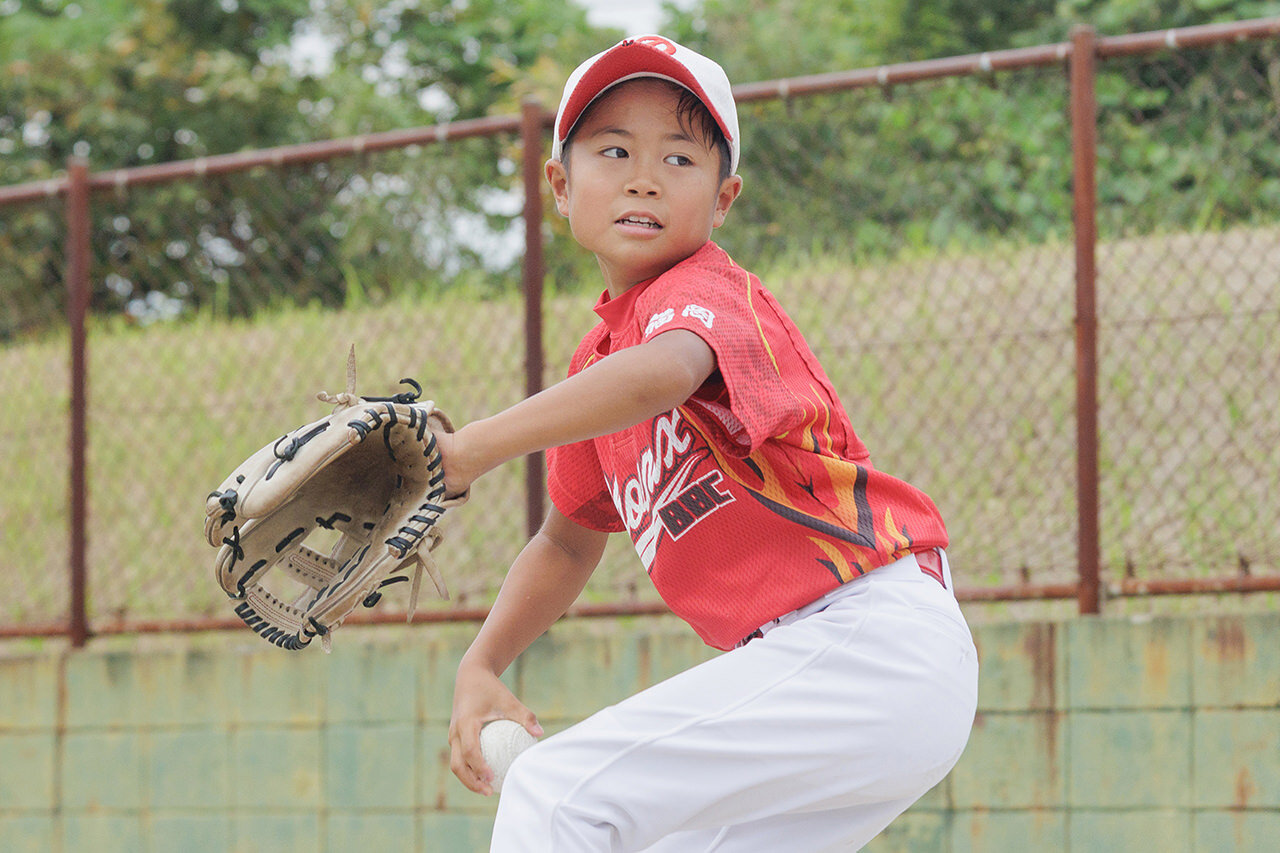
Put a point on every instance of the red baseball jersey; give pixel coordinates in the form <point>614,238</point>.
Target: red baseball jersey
<point>755,497</point>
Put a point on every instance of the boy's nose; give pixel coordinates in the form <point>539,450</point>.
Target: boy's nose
<point>641,183</point>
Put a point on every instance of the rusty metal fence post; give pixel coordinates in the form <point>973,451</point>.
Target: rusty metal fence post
<point>78,249</point>
<point>533,273</point>
<point>1084,146</point>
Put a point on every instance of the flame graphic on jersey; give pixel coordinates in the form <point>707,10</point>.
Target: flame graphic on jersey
<point>830,499</point>
<point>816,430</point>
<point>837,562</point>
<point>896,544</point>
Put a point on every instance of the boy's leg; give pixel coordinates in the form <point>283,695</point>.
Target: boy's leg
<point>812,832</point>
<point>831,726</point>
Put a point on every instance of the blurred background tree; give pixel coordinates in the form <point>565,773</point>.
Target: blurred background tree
<point>127,82</point>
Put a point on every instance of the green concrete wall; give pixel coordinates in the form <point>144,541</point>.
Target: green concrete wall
<point>1092,735</point>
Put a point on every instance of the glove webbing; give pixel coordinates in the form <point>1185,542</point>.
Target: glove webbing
<point>282,623</point>
<point>277,622</point>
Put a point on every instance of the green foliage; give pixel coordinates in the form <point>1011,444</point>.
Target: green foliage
<point>131,84</point>
<point>126,84</point>
<point>1187,139</point>
<point>461,59</point>
<point>1111,17</point>
<point>932,28</point>
<point>137,83</point>
<point>762,39</point>
<point>242,27</point>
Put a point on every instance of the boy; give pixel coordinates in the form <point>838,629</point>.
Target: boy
<point>697,419</point>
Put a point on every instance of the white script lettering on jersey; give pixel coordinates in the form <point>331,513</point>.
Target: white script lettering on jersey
<point>705,315</point>
<point>660,496</point>
<point>657,321</point>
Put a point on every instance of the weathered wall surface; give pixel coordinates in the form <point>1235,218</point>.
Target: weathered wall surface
<point>1092,735</point>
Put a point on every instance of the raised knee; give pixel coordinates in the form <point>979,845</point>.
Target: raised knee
<point>543,786</point>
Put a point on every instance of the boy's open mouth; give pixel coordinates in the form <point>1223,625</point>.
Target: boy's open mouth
<point>640,221</point>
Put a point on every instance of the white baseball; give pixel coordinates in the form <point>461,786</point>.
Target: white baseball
<point>500,742</point>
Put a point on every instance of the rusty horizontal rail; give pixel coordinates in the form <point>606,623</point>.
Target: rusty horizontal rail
<point>219,623</point>
<point>1205,35</point>
<point>1129,588</point>
<point>903,73</point>
<point>284,155</point>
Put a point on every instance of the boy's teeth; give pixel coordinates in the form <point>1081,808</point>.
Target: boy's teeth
<point>639,220</point>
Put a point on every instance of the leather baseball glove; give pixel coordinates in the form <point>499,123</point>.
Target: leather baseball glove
<point>368,479</point>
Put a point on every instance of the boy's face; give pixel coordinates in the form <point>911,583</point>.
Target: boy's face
<point>645,191</point>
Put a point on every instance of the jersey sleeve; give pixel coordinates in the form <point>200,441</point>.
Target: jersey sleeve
<point>575,481</point>
<point>578,489</point>
<point>748,400</point>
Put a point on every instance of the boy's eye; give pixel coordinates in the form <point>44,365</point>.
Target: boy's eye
<point>678,160</point>
<point>615,152</point>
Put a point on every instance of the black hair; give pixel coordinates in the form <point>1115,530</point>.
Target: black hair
<point>691,113</point>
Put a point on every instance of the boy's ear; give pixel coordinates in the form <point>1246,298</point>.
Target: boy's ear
<point>728,194</point>
<point>558,178</point>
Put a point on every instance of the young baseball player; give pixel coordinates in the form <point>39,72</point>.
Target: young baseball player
<point>697,420</point>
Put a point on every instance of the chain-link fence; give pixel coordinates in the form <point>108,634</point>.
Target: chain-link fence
<point>34,429</point>
<point>938,293</point>
<point>1188,304</point>
<point>919,229</point>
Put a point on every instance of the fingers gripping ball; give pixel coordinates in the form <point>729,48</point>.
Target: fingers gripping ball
<point>500,742</point>
<point>368,480</point>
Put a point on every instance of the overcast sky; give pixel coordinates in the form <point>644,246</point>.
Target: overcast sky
<point>635,17</point>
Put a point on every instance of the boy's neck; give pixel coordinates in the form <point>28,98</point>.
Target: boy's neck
<point>617,287</point>
<point>616,290</point>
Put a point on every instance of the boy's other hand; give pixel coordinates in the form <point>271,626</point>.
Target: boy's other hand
<point>480,697</point>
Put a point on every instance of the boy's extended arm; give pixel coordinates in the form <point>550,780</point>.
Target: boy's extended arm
<point>546,578</point>
<point>619,391</point>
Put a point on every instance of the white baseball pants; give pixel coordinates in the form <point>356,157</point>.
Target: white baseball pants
<point>813,737</point>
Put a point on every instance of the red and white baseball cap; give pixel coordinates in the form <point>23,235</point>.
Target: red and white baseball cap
<point>649,56</point>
